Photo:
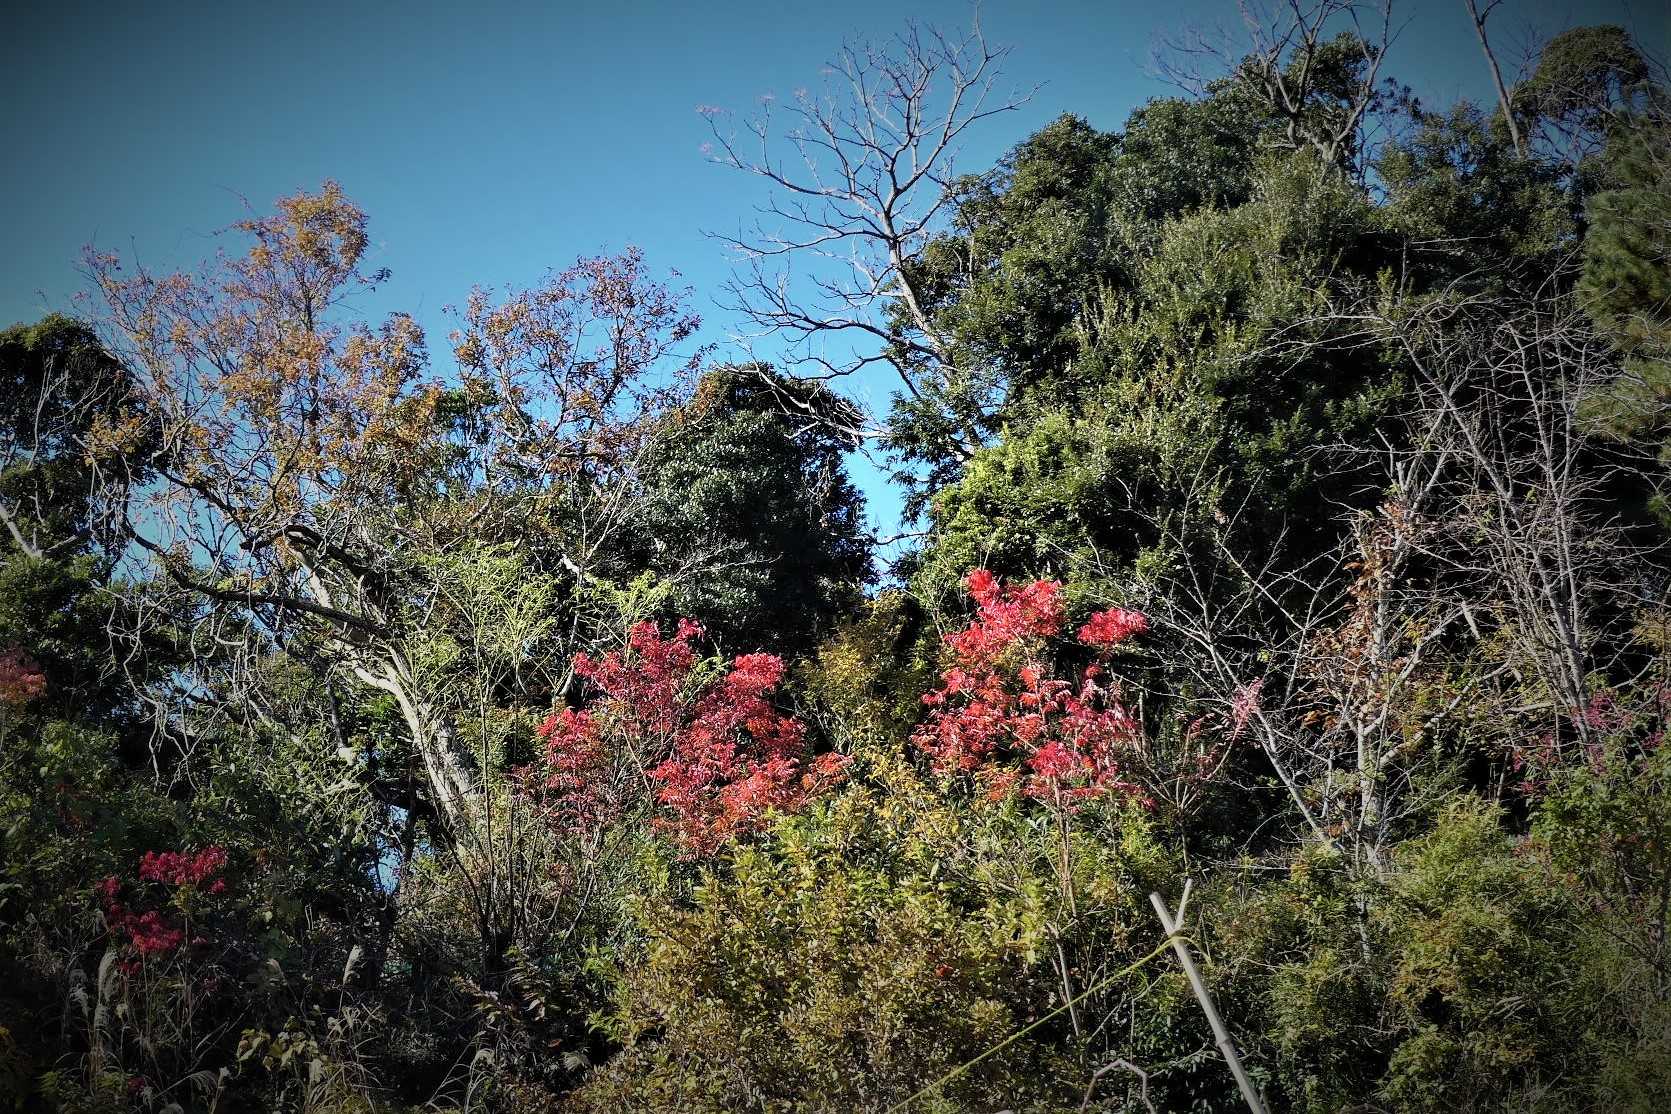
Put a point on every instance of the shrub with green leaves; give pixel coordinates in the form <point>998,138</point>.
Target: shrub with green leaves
<point>871,946</point>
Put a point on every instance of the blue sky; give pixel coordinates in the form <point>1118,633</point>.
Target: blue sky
<point>490,142</point>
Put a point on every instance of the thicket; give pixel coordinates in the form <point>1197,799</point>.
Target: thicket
<point>537,730</point>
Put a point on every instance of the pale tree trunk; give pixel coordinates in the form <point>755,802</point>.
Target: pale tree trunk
<point>454,788</point>
<point>1371,804</point>
<point>1503,98</point>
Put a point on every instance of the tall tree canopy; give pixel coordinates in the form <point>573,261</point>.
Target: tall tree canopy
<point>744,480</point>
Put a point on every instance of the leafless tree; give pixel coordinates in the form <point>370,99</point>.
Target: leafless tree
<point>861,177</point>
<point>1505,101</point>
<point>1506,394</point>
<point>1314,64</point>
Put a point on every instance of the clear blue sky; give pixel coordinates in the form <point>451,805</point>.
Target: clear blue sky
<point>490,142</point>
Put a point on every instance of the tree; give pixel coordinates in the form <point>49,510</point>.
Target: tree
<point>313,468</point>
<point>877,148</point>
<point>72,433</point>
<point>1460,197</point>
<point>308,457</point>
<point>745,483</point>
<point>1584,84</point>
<point>1195,373</point>
<point>1626,279</point>
<point>1029,247</point>
<point>1314,68</point>
<point>1505,102</point>
<point>74,440</point>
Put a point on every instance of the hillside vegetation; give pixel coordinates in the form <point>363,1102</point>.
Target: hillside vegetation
<point>526,719</point>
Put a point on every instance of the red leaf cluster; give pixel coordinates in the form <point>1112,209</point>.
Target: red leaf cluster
<point>177,868</point>
<point>1107,629</point>
<point>21,680</point>
<point>999,713</point>
<point>573,782</point>
<point>720,755</point>
<point>150,933</point>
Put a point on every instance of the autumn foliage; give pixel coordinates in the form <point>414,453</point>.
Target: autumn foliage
<point>705,738</point>
<point>21,680</point>
<point>1001,714</point>
<point>177,879</point>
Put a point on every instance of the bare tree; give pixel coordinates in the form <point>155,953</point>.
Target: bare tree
<point>1473,602</point>
<point>1503,392</point>
<point>1504,100</point>
<point>1314,64</point>
<point>861,180</point>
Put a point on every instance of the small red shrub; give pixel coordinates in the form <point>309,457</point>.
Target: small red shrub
<point>21,680</point>
<point>999,713</point>
<point>148,933</point>
<point>718,753</point>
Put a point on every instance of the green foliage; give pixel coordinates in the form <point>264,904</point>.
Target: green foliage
<point>1606,832</point>
<point>1583,79</point>
<point>1627,273</point>
<point>1484,971</point>
<point>865,680</point>
<point>1032,241</point>
<point>1180,154</point>
<point>751,514</point>
<point>1458,194</point>
<point>58,612</point>
<point>1626,279</point>
<point>1189,410</point>
<point>1038,242</point>
<point>870,946</point>
<point>1476,941</point>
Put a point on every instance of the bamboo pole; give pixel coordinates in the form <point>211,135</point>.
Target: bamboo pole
<point>1221,1036</point>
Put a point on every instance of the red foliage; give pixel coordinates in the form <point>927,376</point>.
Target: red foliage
<point>573,783</point>
<point>1000,714</point>
<point>21,680</point>
<point>177,868</point>
<point>721,755</point>
<point>1107,629</point>
<point>150,933</point>
<point>1007,616</point>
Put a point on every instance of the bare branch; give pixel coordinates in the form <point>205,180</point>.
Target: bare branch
<point>828,269</point>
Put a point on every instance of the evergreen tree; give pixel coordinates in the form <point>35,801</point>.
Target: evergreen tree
<point>746,488</point>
